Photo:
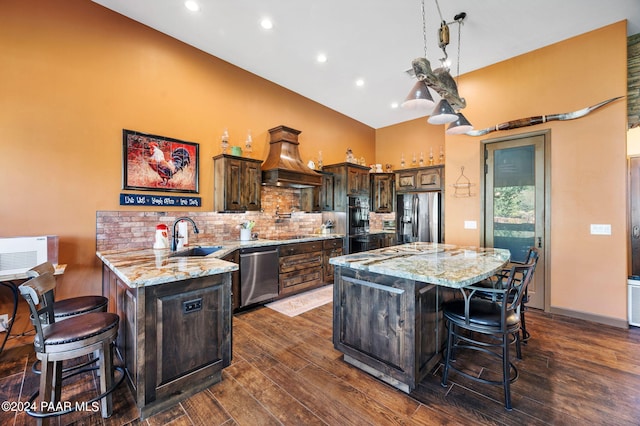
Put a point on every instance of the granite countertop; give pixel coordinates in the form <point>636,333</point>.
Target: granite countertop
<point>441,264</point>
<point>146,267</point>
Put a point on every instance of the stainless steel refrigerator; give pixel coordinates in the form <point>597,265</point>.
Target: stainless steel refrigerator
<point>419,217</point>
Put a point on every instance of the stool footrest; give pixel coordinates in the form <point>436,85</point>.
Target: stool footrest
<point>47,414</point>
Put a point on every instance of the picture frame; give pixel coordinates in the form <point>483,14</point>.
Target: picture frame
<point>159,163</point>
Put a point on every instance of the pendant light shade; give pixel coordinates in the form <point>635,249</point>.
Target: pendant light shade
<point>443,113</point>
<point>419,98</point>
<point>460,126</point>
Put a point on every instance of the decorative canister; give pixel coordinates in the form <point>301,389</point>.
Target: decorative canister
<point>245,234</point>
<point>162,237</point>
<point>236,150</point>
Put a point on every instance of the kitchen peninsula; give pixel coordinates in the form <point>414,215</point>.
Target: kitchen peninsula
<point>387,316</point>
<point>175,322</point>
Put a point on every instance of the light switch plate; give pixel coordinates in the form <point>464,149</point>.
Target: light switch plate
<point>470,224</point>
<point>600,229</point>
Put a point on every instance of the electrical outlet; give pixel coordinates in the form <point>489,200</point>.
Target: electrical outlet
<point>600,229</point>
<point>470,224</point>
<point>4,320</point>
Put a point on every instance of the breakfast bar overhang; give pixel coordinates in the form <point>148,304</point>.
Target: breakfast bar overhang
<point>387,317</point>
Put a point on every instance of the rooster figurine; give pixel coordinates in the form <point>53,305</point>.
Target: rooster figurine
<point>180,159</point>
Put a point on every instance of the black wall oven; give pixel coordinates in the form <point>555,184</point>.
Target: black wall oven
<point>357,223</point>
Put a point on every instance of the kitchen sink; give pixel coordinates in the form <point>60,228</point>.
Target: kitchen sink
<point>196,251</point>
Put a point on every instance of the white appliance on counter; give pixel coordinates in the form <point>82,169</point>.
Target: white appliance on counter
<point>19,254</point>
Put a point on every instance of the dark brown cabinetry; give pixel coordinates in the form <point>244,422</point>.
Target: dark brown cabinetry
<point>348,179</point>
<point>234,257</point>
<point>383,192</point>
<point>389,239</point>
<point>326,192</point>
<point>318,198</point>
<point>237,183</point>
<point>174,338</point>
<point>300,266</point>
<point>391,327</point>
<point>420,179</point>
<point>330,248</point>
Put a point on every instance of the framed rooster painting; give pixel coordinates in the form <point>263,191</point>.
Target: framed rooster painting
<point>158,163</point>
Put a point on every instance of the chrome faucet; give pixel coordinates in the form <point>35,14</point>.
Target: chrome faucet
<point>174,236</point>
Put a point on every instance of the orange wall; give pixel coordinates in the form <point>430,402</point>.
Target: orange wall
<point>409,138</point>
<point>74,74</point>
<point>587,273</point>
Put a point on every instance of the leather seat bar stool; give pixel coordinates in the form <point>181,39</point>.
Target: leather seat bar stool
<point>67,308</point>
<point>75,305</point>
<point>74,337</point>
<point>500,279</point>
<point>489,326</point>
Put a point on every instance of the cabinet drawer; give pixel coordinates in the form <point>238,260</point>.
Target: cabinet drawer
<point>297,248</point>
<point>429,179</point>
<point>306,277</point>
<point>334,243</point>
<point>300,261</point>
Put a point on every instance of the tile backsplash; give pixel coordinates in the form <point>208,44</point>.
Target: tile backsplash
<point>136,229</point>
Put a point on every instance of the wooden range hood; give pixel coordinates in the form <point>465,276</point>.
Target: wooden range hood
<point>284,167</point>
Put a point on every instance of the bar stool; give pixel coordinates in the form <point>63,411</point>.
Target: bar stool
<point>75,305</point>
<point>67,308</point>
<point>499,280</point>
<point>485,325</point>
<point>74,337</point>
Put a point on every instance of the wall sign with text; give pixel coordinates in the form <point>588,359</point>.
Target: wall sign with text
<point>159,200</point>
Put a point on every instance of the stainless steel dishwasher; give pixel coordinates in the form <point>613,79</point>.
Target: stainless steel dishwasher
<point>258,274</point>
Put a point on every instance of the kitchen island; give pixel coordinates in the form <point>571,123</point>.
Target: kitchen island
<point>387,317</point>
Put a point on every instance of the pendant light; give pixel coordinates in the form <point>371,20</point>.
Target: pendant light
<point>443,113</point>
<point>419,97</point>
<point>438,80</point>
<point>460,125</point>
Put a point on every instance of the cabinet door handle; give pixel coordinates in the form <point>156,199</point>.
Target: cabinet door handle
<point>636,232</point>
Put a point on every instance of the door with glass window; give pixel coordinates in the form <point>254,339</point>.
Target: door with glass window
<point>515,201</point>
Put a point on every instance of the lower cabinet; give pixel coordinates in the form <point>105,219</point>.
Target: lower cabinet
<point>300,266</point>
<point>234,257</point>
<point>174,338</point>
<point>388,239</point>
<point>390,327</point>
<point>330,248</point>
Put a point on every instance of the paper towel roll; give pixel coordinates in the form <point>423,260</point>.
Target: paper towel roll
<point>183,232</point>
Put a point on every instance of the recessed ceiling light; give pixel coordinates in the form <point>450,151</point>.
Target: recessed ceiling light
<point>359,82</point>
<point>394,105</point>
<point>192,5</point>
<point>322,58</point>
<point>266,23</point>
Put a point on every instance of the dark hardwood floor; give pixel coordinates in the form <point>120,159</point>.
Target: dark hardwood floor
<point>285,371</point>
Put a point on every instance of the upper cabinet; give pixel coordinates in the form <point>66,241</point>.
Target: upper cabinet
<point>318,198</point>
<point>348,179</point>
<point>237,183</point>
<point>420,179</point>
<point>382,192</point>
<point>326,192</point>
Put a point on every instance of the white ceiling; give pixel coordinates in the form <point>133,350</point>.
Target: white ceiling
<point>374,40</point>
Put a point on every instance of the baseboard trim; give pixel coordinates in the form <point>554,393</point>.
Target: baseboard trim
<point>615,322</point>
